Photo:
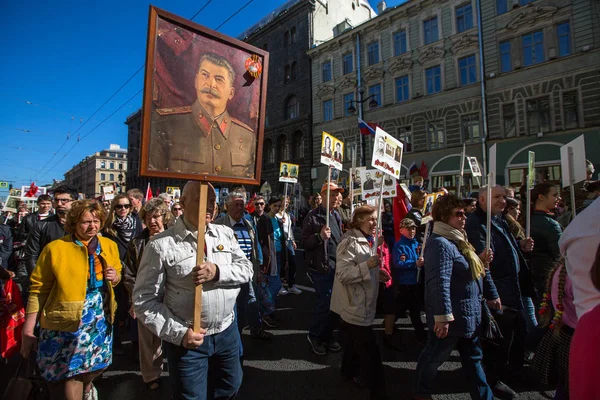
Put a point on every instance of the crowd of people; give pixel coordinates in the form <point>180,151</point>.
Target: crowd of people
<point>90,269</point>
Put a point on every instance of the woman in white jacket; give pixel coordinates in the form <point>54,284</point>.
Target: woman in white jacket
<point>354,298</point>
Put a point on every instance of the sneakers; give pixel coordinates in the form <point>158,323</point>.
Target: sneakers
<point>334,346</point>
<point>282,292</point>
<point>294,290</point>
<point>317,346</point>
<point>261,334</point>
<point>503,391</point>
<point>269,321</point>
<point>91,395</point>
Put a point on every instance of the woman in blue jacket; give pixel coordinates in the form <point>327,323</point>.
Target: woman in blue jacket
<point>454,278</point>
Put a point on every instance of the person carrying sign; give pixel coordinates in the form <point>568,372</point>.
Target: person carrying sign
<point>163,299</point>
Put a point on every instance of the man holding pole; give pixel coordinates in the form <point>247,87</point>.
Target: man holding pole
<point>163,299</point>
<point>512,279</point>
<point>320,242</point>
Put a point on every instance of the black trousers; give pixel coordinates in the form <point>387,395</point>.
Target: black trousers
<point>409,299</point>
<point>506,360</point>
<point>290,273</point>
<point>361,357</point>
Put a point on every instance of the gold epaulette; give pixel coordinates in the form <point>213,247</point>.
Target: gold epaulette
<point>240,123</point>
<point>174,110</point>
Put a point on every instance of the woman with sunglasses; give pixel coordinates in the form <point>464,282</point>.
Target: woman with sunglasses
<point>121,226</point>
<point>455,278</point>
<point>176,211</point>
<point>72,298</point>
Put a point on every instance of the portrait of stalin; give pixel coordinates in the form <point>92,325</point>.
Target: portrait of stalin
<point>204,138</point>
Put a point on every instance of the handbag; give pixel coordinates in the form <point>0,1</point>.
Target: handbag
<point>490,330</point>
<point>27,384</point>
<point>12,318</point>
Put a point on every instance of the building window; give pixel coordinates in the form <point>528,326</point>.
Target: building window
<point>533,48</point>
<point>286,39</point>
<point>103,177</point>
<point>435,135</point>
<point>570,110</point>
<point>327,110</point>
<point>294,73</point>
<point>286,74</point>
<point>111,177</point>
<point>433,77</point>
<point>509,120</point>
<point>470,128</point>
<point>464,18</point>
<point>505,58</point>
<point>298,145</point>
<point>293,35</point>
<point>502,6</point>
<point>347,63</point>
<point>404,134</point>
<point>112,165</point>
<point>375,91</point>
<point>373,53</point>
<point>282,149</point>
<point>538,115</point>
<point>121,166</point>
<point>348,101</point>
<point>326,71</point>
<point>402,92</point>
<point>102,164</point>
<point>468,71</point>
<point>292,108</point>
<point>268,151</point>
<point>563,32</point>
<point>400,43</point>
<point>430,30</point>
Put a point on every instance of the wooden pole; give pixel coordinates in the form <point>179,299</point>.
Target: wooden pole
<point>200,256</point>
<point>571,185</point>
<point>462,170</point>
<point>328,191</point>
<point>352,172</point>
<point>378,230</point>
<point>488,232</point>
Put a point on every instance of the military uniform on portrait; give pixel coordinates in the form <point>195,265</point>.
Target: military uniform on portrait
<point>188,140</point>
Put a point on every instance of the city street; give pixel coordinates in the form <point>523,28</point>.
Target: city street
<point>285,368</point>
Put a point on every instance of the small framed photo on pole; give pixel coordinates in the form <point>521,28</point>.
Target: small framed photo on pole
<point>288,172</point>
<point>204,103</point>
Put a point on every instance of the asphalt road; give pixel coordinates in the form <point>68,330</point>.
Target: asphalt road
<point>285,368</point>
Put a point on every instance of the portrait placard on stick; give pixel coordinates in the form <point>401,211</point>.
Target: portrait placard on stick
<point>474,166</point>
<point>332,151</point>
<point>492,161</point>
<point>204,102</point>
<point>288,172</point>
<point>108,192</point>
<point>387,154</point>
<point>357,181</point>
<point>578,169</point>
<point>371,184</point>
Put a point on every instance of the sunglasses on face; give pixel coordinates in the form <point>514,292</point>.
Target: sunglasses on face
<point>63,200</point>
<point>459,214</point>
<point>121,206</point>
<point>259,204</point>
<point>177,209</point>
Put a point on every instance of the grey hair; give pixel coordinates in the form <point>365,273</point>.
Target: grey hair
<point>234,196</point>
<point>164,196</point>
<point>153,205</point>
<point>219,61</point>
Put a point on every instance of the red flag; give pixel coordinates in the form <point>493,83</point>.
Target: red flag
<point>32,190</point>
<point>148,192</point>
<point>400,209</point>
<point>250,205</point>
<point>423,170</point>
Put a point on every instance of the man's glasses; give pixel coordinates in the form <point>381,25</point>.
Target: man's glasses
<point>63,200</point>
<point>259,204</point>
<point>177,209</point>
<point>459,214</point>
<point>120,206</point>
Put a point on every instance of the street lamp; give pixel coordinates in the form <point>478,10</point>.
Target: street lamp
<point>351,110</point>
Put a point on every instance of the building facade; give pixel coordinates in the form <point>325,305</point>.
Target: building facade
<point>421,63</point>
<point>103,168</point>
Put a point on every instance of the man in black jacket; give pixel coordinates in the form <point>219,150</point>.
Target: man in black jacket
<point>320,245</point>
<point>52,228</point>
<point>44,203</point>
<point>513,281</point>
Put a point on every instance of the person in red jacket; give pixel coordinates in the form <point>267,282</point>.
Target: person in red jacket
<point>584,360</point>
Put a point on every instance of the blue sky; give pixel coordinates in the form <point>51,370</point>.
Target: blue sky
<point>62,60</point>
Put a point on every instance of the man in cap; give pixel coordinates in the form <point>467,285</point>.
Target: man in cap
<point>320,245</point>
<point>203,138</point>
<point>163,299</point>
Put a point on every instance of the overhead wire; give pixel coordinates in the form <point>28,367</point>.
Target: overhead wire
<point>79,139</point>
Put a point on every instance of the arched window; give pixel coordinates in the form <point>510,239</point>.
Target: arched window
<point>298,145</point>
<point>269,155</point>
<point>282,149</point>
<point>286,39</point>
<point>102,177</point>
<point>294,73</point>
<point>292,108</point>
<point>293,35</point>
<point>111,177</point>
<point>286,74</point>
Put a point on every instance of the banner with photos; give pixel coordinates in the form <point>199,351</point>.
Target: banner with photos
<point>288,172</point>
<point>332,151</point>
<point>371,184</point>
<point>387,153</point>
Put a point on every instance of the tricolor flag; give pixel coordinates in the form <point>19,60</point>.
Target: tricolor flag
<point>148,192</point>
<point>366,128</point>
<point>413,169</point>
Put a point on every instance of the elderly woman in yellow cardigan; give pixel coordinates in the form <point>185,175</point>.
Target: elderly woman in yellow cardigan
<point>72,297</point>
